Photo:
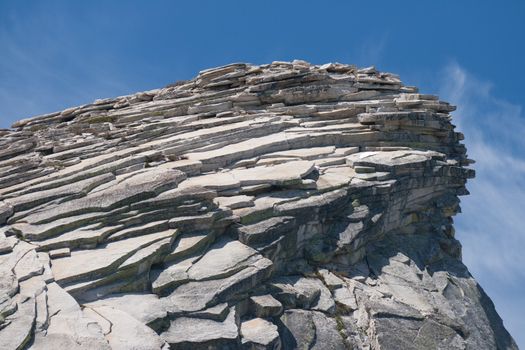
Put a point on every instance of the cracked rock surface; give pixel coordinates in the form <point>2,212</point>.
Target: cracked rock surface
<point>281,206</point>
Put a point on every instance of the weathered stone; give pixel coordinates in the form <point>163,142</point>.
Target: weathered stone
<point>258,333</point>
<point>81,188</point>
<point>6,211</point>
<point>6,243</point>
<point>266,306</point>
<point>235,202</point>
<point>128,333</point>
<point>198,333</point>
<point>309,329</point>
<point>313,198</point>
<point>68,326</point>
<point>266,231</point>
<point>91,263</point>
<point>344,297</point>
<point>18,330</point>
<point>194,296</point>
<point>216,313</point>
<point>330,279</point>
<point>308,293</point>
<point>135,188</point>
<point>60,253</point>
<point>28,266</point>
<point>222,260</point>
<point>147,308</point>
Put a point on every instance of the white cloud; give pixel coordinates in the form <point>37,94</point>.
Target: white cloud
<point>492,225</point>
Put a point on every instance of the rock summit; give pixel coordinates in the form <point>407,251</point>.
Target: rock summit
<point>280,206</point>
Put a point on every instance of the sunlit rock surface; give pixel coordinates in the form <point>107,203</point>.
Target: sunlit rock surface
<point>280,206</point>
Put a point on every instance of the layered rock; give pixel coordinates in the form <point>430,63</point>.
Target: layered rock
<point>286,205</point>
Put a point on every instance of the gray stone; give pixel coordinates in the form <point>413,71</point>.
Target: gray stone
<point>147,308</point>
<point>81,188</point>
<point>330,279</point>
<point>265,306</point>
<point>6,211</point>
<point>6,243</point>
<point>198,333</point>
<point>92,263</point>
<point>216,313</point>
<point>128,333</point>
<point>17,332</point>
<point>235,202</point>
<point>308,293</point>
<point>266,231</point>
<point>315,198</point>
<point>258,333</point>
<point>142,186</point>
<point>309,329</point>
<point>28,266</point>
<point>60,253</point>
<point>68,325</point>
<point>223,259</point>
<point>195,296</point>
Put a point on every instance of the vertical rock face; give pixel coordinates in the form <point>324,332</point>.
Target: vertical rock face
<point>282,206</point>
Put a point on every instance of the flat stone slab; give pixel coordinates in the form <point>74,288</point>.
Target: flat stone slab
<point>68,325</point>
<point>198,295</point>
<point>303,153</point>
<point>128,333</point>
<point>392,160</point>
<point>104,260</point>
<point>260,333</point>
<point>235,202</point>
<point>265,306</point>
<point>223,259</point>
<point>141,186</point>
<point>280,174</point>
<point>198,333</point>
<point>147,307</point>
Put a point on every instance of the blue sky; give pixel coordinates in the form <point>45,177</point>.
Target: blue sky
<point>56,54</point>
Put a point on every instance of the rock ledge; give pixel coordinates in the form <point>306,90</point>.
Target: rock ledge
<point>280,206</point>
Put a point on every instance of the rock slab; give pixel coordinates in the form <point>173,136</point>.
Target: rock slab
<point>280,206</point>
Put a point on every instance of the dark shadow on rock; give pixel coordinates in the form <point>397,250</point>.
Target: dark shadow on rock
<point>430,251</point>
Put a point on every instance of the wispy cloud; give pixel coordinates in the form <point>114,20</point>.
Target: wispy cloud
<point>492,226</point>
<point>372,50</point>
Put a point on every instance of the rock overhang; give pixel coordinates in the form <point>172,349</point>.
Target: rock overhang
<point>304,204</point>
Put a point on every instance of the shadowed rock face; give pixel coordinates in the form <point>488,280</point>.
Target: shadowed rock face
<point>279,206</point>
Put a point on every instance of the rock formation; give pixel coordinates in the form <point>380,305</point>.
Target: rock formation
<point>286,205</point>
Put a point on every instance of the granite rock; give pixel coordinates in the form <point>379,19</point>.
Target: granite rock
<point>280,206</point>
